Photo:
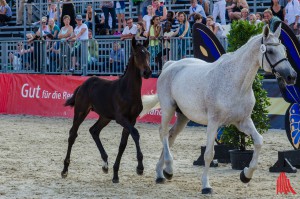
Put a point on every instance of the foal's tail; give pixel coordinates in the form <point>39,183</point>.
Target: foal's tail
<point>71,100</point>
<point>149,102</point>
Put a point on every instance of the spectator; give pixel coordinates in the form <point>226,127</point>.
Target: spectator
<point>147,18</point>
<point>253,20</point>
<point>292,15</point>
<point>198,18</point>
<point>205,6</point>
<point>120,11</point>
<point>108,8</point>
<point>17,57</point>
<point>80,36</point>
<point>52,55</point>
<point>67,30</point>
<point>277,9</point>
<point>229,6</point>
<point>130,30</point>
<point>45,28</point>
<point>141,32</point>
<point>52,13</point>
<point>53,28</point>
<point>68,9</point>
<point>5,13</point>
<point>270,19</point>
<point>219,9</point>
<point>117,58</point>
<point>93,51</point>
<point>238,5</point>
<point>159,9</point>
<point>259,16</point>
<point>20,12</point>
<point>215,27</point>
<point>89,18</point>
<point>174,22</point>
<point>196,8</point>
<point>182,32</point>
<point>244,14</point>
<point>154,34</point>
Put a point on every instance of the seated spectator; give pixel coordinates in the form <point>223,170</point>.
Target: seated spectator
<point>215,27</point>
<point>237,6</point>
<point>159,9</point>
<point>205,5</point>
<point>120,11</point>
<point>171,18</point>
<point>117,58</point>
<point>93,51</point>
<point>147,18</point>
<point>45,28</point>
<point>196,8</point>
<point>102,29</point>
<point>244,14</point>
<point>182,32</point>
<point>130,30</point>
<point>253,20</point>
<point>53,28</point>
<point>144,5</point>
<point>89,18</point>
<point>141,32</point>
<point>270,19</point>
<point>5,13</point>
<point>52,50</point>
<point>259,16</point>
<point>52,13</point>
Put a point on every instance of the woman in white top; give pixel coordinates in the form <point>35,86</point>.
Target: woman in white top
<point>67,30</point>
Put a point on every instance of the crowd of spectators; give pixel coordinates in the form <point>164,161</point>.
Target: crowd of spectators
<point>156,22</point>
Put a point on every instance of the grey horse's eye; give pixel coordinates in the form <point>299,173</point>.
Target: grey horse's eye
<point>270,52</point>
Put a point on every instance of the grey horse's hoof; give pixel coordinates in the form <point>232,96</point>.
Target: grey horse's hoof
<point>160,180</point>
<point>105,169</point>
<point>115,180</point>
<point>243,178</point>
<point>139,171</point>
<point>167,175</point>
<point>64,174</point>
<point>207,191</point>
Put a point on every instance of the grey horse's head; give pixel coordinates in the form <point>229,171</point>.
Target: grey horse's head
<point>273,56</point>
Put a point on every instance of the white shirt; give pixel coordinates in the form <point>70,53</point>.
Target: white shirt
<point>147,19</point>
<point>85,34</point>
<point>132,30</point>
<point>198,9</point>
<point>291,11</point>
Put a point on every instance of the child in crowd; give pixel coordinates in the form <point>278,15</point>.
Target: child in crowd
<point>147,18</point>
<point>141,32</point>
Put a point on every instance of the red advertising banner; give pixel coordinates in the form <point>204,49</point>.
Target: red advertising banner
<point>44,95</point>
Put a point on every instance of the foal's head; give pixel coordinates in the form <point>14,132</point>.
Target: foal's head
<point>274,56</point>
<point>141,57</point>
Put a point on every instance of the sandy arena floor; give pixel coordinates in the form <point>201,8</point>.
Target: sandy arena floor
<point>32,150</point>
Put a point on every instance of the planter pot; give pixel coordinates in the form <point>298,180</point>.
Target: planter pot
<point>240,159</point>
<point>221,155</point>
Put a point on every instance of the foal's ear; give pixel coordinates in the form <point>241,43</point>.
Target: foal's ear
<point>278,31</point>
<point>266,31</point>
<point>146,43</point>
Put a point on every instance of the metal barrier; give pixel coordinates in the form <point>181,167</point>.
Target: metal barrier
<point>90,57</point>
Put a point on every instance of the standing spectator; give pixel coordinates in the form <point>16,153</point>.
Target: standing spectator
<point>171,18</point>
<point>120,11</point>
<point>144,5</point>
<point>52,13</point>
<point>68,9</point>
<point>292,15</point>
<point>259,16</point>
<point>219,9</point>
<point>130,30</point>
<point>154,34</point>
<point>159,10</point>
<point>215,27</point>
<point>253,20</point>
<point>80,36</point>
<point>244,14</point>
<point>89,18</point>
<point>67,30</point>
<point>17,58</point>
<point>238,5</point>
<point>53,28</point>
<point>93,51</point>
<point>117,58</point>
<point>205,6</point>
<point>20,12</point>
<point>5,13</point>
<point>277,9</point>
<point>182,32</point>
<point>147,18</point>
<point>141,32</point>
<point>196,8</point>
<point>45,28</point>
<point>108,8</point>
<point>270,19</point>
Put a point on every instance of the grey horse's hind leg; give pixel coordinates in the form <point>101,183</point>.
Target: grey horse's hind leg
<point>181,122</point>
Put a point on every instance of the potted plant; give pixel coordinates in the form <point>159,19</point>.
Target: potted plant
<point>240,33</point>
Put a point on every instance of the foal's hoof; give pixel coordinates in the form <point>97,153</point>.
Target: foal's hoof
<point>64,174</point>
<point>105,169</point>
<point>139,171</point>
<point>115,180</point>
<point>160,180</point>
<point>207,191</point>
<point>243,178</point>
<point>167,175</point>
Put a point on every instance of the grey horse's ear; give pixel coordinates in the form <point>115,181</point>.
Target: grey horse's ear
<point>278,31</point>
<point>266,31</point>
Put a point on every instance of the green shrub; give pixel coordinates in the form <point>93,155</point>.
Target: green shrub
<point>240,33</point>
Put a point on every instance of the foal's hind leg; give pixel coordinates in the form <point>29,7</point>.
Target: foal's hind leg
<point>95,132</point>
<point>78,119</point>
<point>248,128</point>
<point>174,131</point>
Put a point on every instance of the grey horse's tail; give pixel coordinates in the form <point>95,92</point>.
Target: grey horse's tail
<point>71,101</point>
<point>149,102</point>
